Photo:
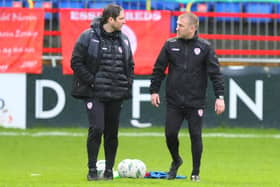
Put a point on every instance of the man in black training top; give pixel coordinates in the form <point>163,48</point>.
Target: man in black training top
<point>190,60</point>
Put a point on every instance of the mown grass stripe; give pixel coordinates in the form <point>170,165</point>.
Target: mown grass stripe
<point>141,134</point>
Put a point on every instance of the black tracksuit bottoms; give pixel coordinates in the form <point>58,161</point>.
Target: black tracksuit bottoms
<point>174,120</point>
<point>103,120</point>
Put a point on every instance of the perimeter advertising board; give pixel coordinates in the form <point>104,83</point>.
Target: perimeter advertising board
<point>251,101</point>
<point>13,100</point>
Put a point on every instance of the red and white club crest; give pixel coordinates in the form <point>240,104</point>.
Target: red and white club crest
<point>197,51</point>
<point>89,105</point>
<point>200,112</point>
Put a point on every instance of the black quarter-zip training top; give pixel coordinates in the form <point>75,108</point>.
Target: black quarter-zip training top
<point>190,63</point>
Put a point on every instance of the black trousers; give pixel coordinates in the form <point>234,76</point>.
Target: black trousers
<point>174,120</point>
<point>103,120</point>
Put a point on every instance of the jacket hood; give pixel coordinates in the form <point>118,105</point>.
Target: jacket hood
<point>96,24</point>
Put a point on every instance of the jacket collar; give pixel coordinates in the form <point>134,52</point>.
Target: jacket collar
<point>195,37</point>
<point>97,26</point>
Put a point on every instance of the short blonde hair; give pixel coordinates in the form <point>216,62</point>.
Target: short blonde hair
<point>192,18</point>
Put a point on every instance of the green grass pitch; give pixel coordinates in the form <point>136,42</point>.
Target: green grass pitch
<point>30,159</point>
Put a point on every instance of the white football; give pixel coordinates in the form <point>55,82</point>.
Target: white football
<point>124,167</point>
<point>138,169</point>
<point>100,167</point>
<point>132,168</point>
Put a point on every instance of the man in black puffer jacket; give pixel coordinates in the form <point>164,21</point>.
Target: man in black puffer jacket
<point>191,61</point>
<point>103,71</point>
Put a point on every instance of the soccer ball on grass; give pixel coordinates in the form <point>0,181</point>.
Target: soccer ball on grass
<point>100,167</point>
<point>132,168</point>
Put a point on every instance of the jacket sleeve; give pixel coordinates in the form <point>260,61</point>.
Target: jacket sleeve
<point>159,69</point>
<point>79,58</point>
<point>130,61</point>
<point>131,68</point>
<point>214,72</point>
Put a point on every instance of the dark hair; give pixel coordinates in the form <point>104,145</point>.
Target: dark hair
<point>111,11</point>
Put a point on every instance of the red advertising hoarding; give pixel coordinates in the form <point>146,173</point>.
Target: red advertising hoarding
<point>21,40</point>
<point>146,30</point>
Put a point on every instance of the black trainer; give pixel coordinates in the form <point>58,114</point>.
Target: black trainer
<point>108,174</point>
<point>92,175</point>
<point>174,168</point>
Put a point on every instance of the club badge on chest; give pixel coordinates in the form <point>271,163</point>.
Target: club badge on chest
<point>196,51</point>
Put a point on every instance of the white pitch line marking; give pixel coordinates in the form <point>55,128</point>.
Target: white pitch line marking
<point>141,134</point>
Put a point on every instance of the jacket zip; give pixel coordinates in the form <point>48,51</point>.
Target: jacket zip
<point>186,54</point>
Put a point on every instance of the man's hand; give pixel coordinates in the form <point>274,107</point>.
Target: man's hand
<point>219,106</point>
<point>155,99</point>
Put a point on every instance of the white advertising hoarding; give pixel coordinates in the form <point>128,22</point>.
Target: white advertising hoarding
<point>13,100</point>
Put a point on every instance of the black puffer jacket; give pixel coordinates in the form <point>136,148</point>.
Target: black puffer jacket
<point>190,62</point>
<point>103,65</point>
